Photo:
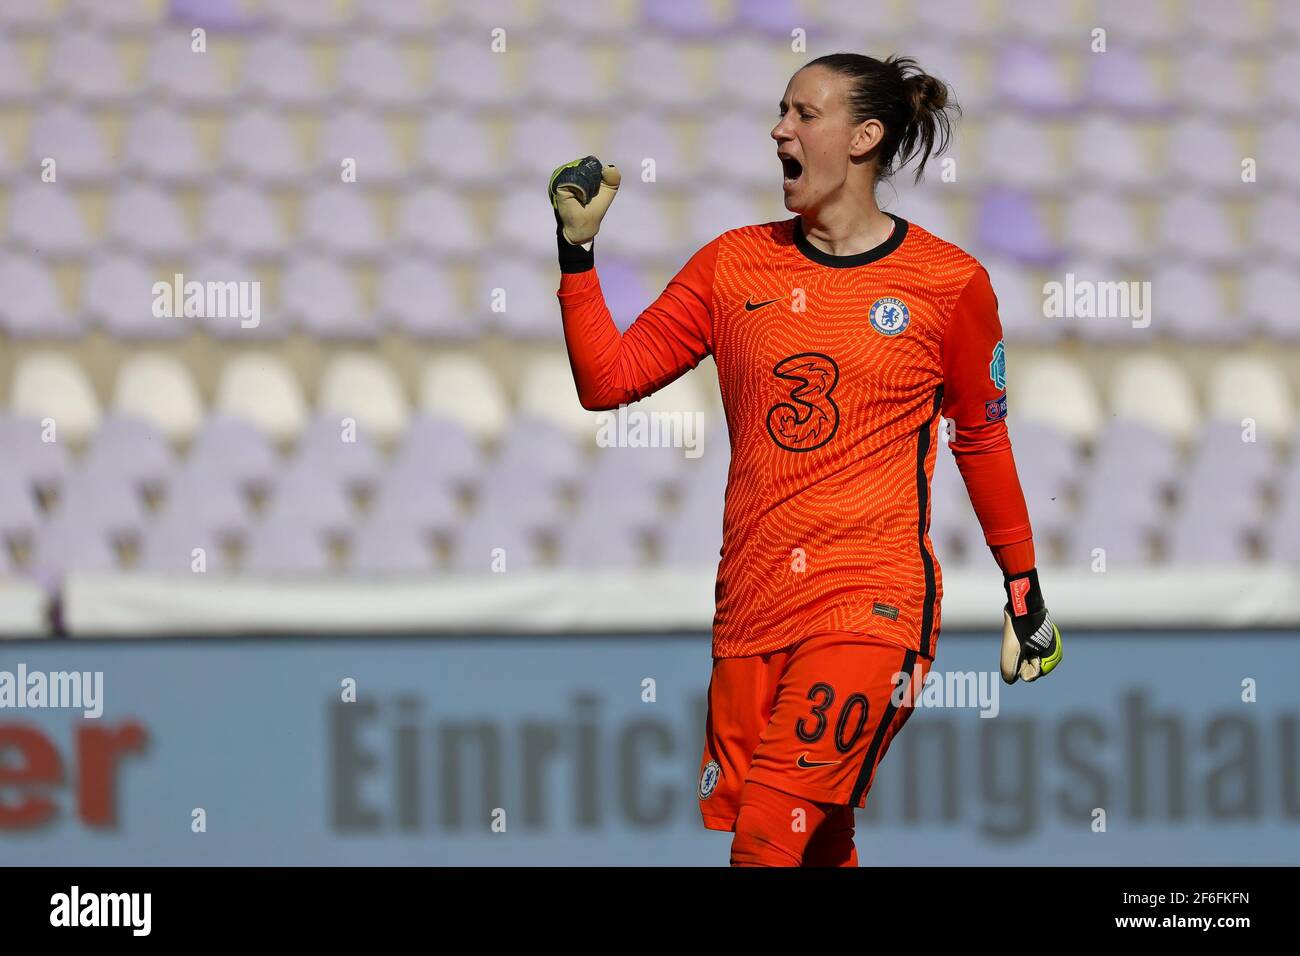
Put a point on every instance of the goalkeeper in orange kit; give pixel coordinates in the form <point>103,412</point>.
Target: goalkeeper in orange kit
<point>841,337</point>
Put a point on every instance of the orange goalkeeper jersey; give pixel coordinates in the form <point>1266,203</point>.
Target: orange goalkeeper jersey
<point>834,372</point>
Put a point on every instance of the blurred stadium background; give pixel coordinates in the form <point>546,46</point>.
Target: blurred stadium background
<point>403,405</point>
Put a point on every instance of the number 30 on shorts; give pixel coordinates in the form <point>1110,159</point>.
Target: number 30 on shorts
<point>849,724</point>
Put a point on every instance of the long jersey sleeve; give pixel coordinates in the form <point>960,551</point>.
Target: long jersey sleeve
<point>671,336</point>
<point>975,398</point>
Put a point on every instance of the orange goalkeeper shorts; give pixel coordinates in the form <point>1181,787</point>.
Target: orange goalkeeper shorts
<point>813,720</point>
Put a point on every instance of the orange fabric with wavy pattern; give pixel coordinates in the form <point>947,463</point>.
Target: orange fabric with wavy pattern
<point>833,420</point>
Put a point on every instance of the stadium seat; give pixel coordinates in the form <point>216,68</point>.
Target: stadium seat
<point>278,70</point>
<point>463,390</point>
<point>234,448</point>
<point>438,222</point>
<point>530,311</point>
<point>285,547</point>
<point>344,452</point>
<point>117,293</point>
<point>88,67</point>
<point>589,542</point>
<point>319,295</point>
<point>342,220</point>
<point>260,145</point>
<point>418,297</point>
<point>415,499</point>
<point>241,221</point>
<point>208,502</point>
<point>261,389</point>
<point>547,392</point>
<point>1245,387</point>
<point>48,218</point>
<point>488,541</point>
<point>64,545</point>
<point>1054,391</point>
<point>467,72</point>
<point>158,388</point>
<point>19,516</point>
<point>305,496</point>
<point>168,547</point>
<point>439,451</point>
<point>49,385</point>
<point>107,501</point>
<point>477,159</point>
<point>43,464</point>
<point>649,235</point>
<point>376,72</point>
<point>75,141</point>
<point>176,73</point>
<point>359,386</point>
<point>32,306</point>
<point>1153,391</point>
<point>1126,81</point>
<point>561,68</point>
<point>674,89</point>
<point>362,137</point>
<point>387,547</point>
<point>131,448</point>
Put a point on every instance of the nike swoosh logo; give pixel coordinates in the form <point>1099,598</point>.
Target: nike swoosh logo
<point>751,306</point>
<point>807,764</point>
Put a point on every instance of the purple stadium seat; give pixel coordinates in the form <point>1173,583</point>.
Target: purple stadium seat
<point>286,546</point>
<point>476,542</point>
<point>161,145</point>
<point>684,18</point>
<point>415,498</point>
<point>590,542</point>
<point>441,450</point>
<point>1126,81</point>
<point>131,449</point>
<point>44,464</point>
<point>18,512</point>
<point>32,307</point>
<point>1124,543</point>
<point>544,452</point>
<point>168,546</point>
<point>107,502</point>
<point>373,70</point>
<point>321,446</point>
<point>691,542</point>
<point>1032,78</point>
<point>305,495</point>
<point>70,545</point>
<point>418,297</point>
<point>234,449</point>
<point>1009,223</point>
<point>1199,538</point>
<point>207,500</point>
<point>390,547</point>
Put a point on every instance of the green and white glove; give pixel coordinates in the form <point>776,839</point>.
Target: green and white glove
<point>1031,641</point>
<point>580,193</point>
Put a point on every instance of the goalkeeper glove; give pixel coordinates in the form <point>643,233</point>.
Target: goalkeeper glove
<point>580,192</point>
<point>1031,641</point>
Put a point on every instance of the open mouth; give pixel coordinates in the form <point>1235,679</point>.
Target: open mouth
<point>792,168</point>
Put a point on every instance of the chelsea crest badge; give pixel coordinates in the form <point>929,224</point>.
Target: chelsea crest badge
<point>889,316</point>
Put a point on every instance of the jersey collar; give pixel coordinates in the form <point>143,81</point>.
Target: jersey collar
<point>857,259</point>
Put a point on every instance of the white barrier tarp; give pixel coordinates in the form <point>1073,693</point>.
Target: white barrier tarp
<point>620,600</point>
<point>23,609</point>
